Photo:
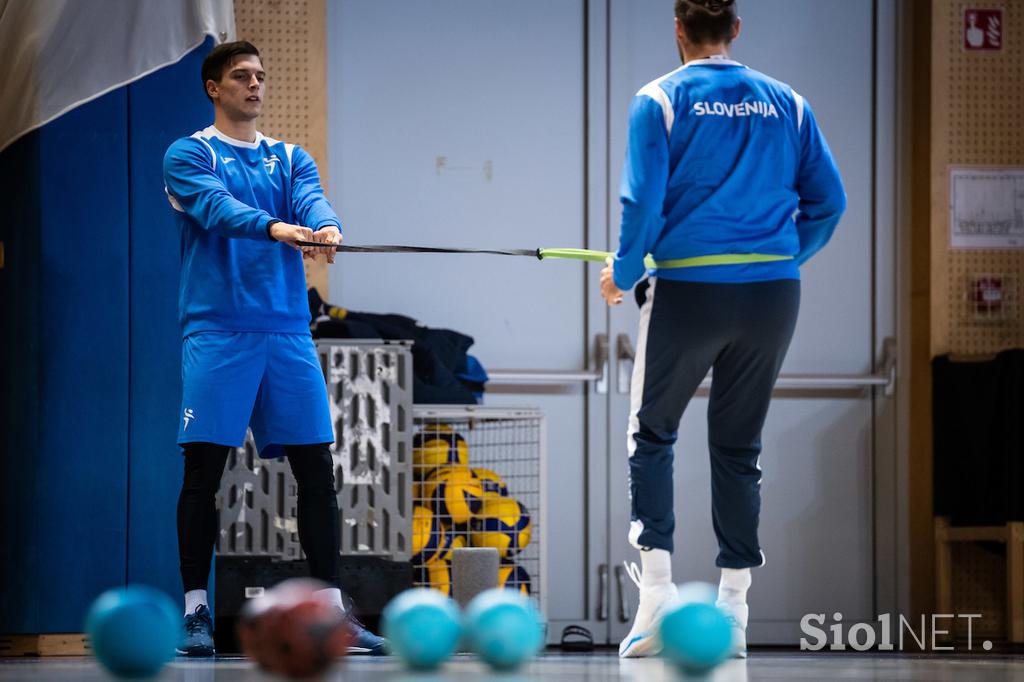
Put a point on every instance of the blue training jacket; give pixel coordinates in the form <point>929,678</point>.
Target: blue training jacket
<point>234,277</point>
<point>722,159</point>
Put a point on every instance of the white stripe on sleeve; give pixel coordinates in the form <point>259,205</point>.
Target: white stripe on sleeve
<point>654,91</point>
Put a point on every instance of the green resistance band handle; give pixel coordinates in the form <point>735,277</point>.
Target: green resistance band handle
<point>696,261</point>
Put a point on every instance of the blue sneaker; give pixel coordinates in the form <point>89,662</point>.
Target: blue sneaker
<point>198,639</point>
<point>365,642</point>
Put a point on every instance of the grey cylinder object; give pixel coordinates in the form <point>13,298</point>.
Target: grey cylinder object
<point>474,570</point>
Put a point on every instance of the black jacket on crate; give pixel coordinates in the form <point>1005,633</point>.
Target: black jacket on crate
<point>978,428</point>
<point>443,371</point>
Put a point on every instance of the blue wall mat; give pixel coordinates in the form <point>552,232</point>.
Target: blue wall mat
<point>161,108</point>
<point>19,375</point>
<point>70,485</point>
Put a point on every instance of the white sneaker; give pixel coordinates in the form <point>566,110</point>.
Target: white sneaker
<point>643,639</point>
<point>738,614</point>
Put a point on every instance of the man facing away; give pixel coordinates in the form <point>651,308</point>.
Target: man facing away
<point>730,186</point>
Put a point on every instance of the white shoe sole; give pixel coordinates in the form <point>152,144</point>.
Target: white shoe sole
<point>644,645</point>
<point>648,642</point>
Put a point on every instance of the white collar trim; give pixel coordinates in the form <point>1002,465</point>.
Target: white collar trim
<point>717,60</point>
<point>213,131</point>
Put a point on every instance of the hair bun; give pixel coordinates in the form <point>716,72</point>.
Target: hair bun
<point>713,6</point>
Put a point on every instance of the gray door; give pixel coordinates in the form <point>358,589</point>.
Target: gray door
<point>493,124</point>
<point>817,525</point>
<point>460,123</point>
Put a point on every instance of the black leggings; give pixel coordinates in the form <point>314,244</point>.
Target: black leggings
<point>319,532</point>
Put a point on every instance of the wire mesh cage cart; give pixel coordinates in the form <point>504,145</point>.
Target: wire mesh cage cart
<point>478,482</point>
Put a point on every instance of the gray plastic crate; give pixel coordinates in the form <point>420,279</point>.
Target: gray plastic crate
<point>257,506</point>
<point>369,388</point>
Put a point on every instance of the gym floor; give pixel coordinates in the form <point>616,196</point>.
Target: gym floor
<point>602,665</point>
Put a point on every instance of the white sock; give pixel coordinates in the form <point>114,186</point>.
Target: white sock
<point>657,567</point>
<point>332,595</point>
<point>193,600</point>
<point>734,585</point>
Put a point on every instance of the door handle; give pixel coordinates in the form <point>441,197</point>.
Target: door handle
<point>625,355</point>
<point>625,612</point>
<point>602,591</point>
<point>601,363</point>
<point>884,378</point>
<point>596,372</point>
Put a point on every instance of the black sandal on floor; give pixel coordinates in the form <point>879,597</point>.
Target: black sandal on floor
<point>577,638</point>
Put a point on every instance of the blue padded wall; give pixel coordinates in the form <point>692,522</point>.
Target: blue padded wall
<point>161,108</point>
<point>65,475</point>
<point>91,352</point>
<point>19,379</point>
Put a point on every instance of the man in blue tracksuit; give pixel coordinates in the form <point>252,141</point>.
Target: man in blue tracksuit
<point>243,202</point>
<point>730,187</point>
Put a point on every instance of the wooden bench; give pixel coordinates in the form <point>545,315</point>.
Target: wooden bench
<point>61,644</point>
<point>1012,535</point>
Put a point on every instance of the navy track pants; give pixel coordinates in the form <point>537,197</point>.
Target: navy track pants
<point>686,328</point>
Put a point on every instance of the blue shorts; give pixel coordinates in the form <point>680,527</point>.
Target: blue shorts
<point>269,382</point>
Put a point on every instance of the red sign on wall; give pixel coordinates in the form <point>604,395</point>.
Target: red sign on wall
<point>983,29</point>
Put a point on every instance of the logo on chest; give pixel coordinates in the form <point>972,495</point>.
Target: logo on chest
<point>270,163</point>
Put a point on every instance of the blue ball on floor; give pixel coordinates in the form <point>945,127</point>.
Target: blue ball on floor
<point>696,635</point>
<point>422,627</point>
<point>504,628</point>
<point>133,630</point>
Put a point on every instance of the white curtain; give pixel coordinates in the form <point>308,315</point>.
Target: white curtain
<point>58,54</point>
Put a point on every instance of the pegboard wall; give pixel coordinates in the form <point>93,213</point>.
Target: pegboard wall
<point>977,100</point>
<point>979,587</point>
<point>292,38</point>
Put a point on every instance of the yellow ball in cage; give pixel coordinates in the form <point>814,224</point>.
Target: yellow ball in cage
<point>439,577</point>
<point>437,445</point>
<point>514,577</point>
<point>458,537</point>
<point>453,493</point>
<point>502,523</point>
<point>430,538</point>
<point>492,483</point>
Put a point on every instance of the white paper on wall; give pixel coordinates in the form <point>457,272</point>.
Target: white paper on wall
<point>986,208</point>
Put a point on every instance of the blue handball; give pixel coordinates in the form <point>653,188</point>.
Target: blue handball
<point>696,636</point>
<point>133,630</point>
<point>422,627</point>
<point>504,628</point>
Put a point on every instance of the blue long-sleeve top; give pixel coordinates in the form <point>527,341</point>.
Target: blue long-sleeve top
<point>722,159</point>
<point>226,193</point>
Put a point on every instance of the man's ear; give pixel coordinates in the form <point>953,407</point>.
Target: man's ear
<point>736,29</point>
<point>212,90</point>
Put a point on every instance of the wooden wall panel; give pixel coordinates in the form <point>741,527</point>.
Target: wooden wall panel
<point>977,100</point>
<point>292,38</point>
<point>970,104</point>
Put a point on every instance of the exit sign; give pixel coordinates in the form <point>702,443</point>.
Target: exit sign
<point>983,30</point>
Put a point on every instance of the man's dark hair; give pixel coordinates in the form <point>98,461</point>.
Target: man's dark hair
<point>221,58</point>
<point>707,21</point>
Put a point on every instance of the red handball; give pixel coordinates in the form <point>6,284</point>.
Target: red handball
<point>293,632</point>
